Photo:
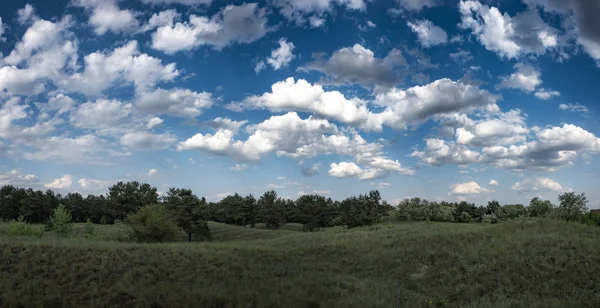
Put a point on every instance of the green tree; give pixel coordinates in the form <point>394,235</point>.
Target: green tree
<point>232,208</point>
<point>152,223</point>
<point>272,210</point>
<point>250,211</point>
<point>62,221</point>
<point>572,206</point>
<point>363,210</point>
<point>189,212</point>
<point>310,211</point>
<point>538,207</point>
<point>126,198</point>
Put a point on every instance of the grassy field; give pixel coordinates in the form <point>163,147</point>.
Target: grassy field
<point>526,263</point>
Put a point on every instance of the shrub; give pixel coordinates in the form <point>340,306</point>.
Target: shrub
<point>464,217</point>
<point>61,221</point>
<point>20,228</point>
<point>152,223</point>
<point>571,206</point>
<point>103,220</point>
<point>591,219</point>
<point>490,218</point>
<point>539,208</point>
<point>89,230</point>
<point>441,212</point>
<point>512,211</point>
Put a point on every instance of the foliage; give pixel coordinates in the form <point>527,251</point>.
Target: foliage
<point>127,198</point>
<point>272,210</point>
<point>364,210</point>
<point>61,221</point>
<point>20,228</point>
<point>313,212</point>
<point>89,230</point>
<point>152,223</point>
<point>512,211</point>
<point>539,208</point>
<point>189,212</point>
<point>571,206</point>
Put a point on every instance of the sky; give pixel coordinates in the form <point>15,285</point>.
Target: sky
<point>444,100</point>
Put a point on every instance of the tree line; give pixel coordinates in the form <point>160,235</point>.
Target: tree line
<point>314,212</point>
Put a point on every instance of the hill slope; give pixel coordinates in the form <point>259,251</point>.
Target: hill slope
<point>519,264</point>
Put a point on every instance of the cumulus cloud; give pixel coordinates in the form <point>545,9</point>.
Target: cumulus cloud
<point>428,33</point>
<point>26,14</point>
<point>493,182</point>
<point>441,152</point>
<point>19,179</point>
<point>416,5</point>
<point>105,16</point>
<point>174,102</point>
<point>501,129</point>
<point>526,78</point>
<point>155,121</point>
<point>243,23</point>
<point>537,185</point>
<point>86,148</point>
<point>580,17</point>
<point>2,30</point>
<point>310,171</point>
<point>509,37</point>
<point>147,141</point>
<point>63,182</point>
<point>152,172</point>
<point>358,65</point>
<point>124,64</point>
<point>466,189</point>
<point>283,55</point>
<point>91,185</point>
<point>184,2</point>
<point>101,114</point>
<point>344,169</point>
<point>301,11</point>
<point>546,94</point>
<point>42,53</point>
<point>574,108</point>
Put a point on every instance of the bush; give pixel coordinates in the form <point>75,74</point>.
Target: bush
<point>571,206</point>
<point>152,223</point>
<point>441,212</point>
<point>591,219</point>
<point>89,230</point>
<point>414,209</point>
<point>490,218</point>
<point>464,217</point>
<point>539,208</point>
<point>61,221</point>
<point>20,228</point>
<point>512,211</point>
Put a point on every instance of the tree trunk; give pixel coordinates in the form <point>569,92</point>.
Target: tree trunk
<point>189,237</point>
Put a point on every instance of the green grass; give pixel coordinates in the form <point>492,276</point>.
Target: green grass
<point>526,263</point>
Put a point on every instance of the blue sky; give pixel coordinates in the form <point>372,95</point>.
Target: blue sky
<point>454,100</point>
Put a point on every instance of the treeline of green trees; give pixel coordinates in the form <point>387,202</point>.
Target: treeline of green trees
<point>140,205</point>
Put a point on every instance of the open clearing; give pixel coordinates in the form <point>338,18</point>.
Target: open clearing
<point>523,263</point>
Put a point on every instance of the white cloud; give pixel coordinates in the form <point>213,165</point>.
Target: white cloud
<point>260,66</point>
<point>91,185</point>
<point>283,55</point>
<point>299,11</point>
<point>101,114</point>
<point>147,141</point>
<point>465,189</point>
<point>152,172</point>
<point>174,102</point>
<point>416,5</point>
<point>493,182</point>
<point>233,24</point>
<point>507,36</point>
<point>26,14</point>
<point>60,183</point>
<point>84,148</point>
<point>440,152</point>
<point>574,107</point>
<point>546,94</point>
<point>105,16</point>
<point>358,65</point>
<point>526,78</point>
<point>154,122</point>
<point>239,167</point>
<point>19,179</point>
<point>538,184</point>
<point>185,2</point>
<point>344,169</point>
<point>2,30</point>
<point>428,33</point>
<point>124,64</point>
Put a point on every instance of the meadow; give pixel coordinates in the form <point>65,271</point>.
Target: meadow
<point>525,262</point>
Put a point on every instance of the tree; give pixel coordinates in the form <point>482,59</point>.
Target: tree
<point>126,198</point>
<point>152,223</point>
<point>9,204</point>
<point>61,221</point>
<point>538,207</point>
<point>271,210</point>
<point>363,210</point>
<point>232,208</point>
<point>310,211</point>
<point>250,211</point>
<point>493,207</point>
<point>76,205</point>
<point>189,212</point>
<point>572,206</point>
